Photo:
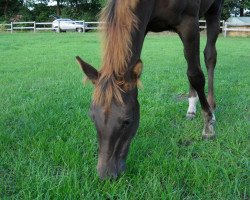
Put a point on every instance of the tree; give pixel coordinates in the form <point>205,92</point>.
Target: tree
<point>9,8</point>
<point>6,8</point>
<point>58,8</point>
<point>235,7</point>
<point>42,12</point>
<point>243,4</point>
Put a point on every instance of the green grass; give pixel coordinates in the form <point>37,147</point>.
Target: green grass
<point>48,145</point>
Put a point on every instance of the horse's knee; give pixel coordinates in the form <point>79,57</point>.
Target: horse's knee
<point>210,55</point>
<point>196,79</point>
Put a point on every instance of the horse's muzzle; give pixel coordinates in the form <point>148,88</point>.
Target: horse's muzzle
<point>111,169</point>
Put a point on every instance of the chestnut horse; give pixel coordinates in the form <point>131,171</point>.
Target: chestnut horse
<point>115,108</point>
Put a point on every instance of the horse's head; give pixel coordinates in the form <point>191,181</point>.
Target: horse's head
<point>115,125</point>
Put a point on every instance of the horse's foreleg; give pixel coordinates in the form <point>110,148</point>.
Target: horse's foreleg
<point>213,29</point>
<point>189,33</point>
<point>210,54</point>
<point>192,101</point>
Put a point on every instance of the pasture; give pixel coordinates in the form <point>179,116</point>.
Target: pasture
<point>48,144</point>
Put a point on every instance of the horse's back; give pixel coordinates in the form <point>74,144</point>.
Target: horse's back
<point>169,13</point>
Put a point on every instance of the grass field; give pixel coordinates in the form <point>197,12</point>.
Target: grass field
<point>48,145</point>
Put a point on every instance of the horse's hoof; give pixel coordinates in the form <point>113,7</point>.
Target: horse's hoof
<point>190,115</point>
<point>208,136</point>
<point>208,131</point>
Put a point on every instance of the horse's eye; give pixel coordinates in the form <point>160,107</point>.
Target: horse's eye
<point>125,123</point>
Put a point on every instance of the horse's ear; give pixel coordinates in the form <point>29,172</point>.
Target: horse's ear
<point>90,71</point>
<point>137,70</point>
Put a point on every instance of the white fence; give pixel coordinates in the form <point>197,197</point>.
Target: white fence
<point>203,24</point>
<point>231,27</point>
<point>38,26</point>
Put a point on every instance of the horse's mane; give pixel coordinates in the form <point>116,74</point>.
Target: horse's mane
<point>119,23</point>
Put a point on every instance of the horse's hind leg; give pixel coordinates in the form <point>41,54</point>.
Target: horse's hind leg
<point>189,33</point>
<point>210,53</point>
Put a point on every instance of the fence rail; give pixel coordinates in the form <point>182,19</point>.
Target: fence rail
<point>36,26</point>
<point>230,27</point>
<point>42,26</point>
<point>203,24</point>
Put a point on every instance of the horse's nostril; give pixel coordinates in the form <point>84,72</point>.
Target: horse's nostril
<point>110,172</point>
<point>122,166</point>
<point>108,175</point>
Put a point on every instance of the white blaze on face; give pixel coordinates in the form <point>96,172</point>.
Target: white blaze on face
<point>192,105</point>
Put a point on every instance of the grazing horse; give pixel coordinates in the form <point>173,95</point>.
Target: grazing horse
<point>115,108</point>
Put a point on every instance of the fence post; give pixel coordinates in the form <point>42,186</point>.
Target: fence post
<point>58,28</point>
<point>84,26</point>
<point>225,30</point>
<point>34,26</point>
<point>11,27</point>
